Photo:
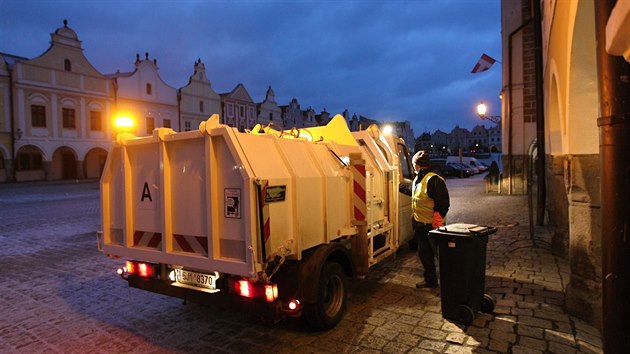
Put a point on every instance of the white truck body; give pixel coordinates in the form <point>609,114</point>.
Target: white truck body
<point>236,205</point>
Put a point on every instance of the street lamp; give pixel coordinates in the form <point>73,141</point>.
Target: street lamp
<point>481,111</point>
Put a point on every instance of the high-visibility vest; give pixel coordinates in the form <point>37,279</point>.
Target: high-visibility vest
<point>420,202</point>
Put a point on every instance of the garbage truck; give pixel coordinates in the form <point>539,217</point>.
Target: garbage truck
<point>272,220</point>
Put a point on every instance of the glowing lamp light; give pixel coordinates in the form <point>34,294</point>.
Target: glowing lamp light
<point>123,122</point>
<point>387,129</point>
<point>482,109</point>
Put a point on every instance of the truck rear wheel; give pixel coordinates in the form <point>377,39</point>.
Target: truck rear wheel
<point>330,306</point>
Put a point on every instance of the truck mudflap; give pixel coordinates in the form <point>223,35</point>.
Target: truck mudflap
<point>274,311</point>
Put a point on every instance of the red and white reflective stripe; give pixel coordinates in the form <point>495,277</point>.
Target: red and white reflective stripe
<point>266,227</point>
<point>191,244</point>
<point>359,188</point>
<point>147,239</point>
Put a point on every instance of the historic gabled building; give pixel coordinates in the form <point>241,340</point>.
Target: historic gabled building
<point>439,140</point>
<point>59,105</point>
<point>478,138</point>
<point>143,94</point>
<point>8,134</point>
<point>403,130</point>
<point>494,138</point>
<point>458,139</point>
<point>423,142</point>
<point>197,100</point>
<point>308,118</point>
<point>291,114</point>
<point>57,111</point>
<point>238,109</point>
<point>322,118</point>
<point>268,110</point>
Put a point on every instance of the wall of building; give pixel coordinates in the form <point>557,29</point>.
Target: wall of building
<point>143,95</point>
<point>59,79</point>
<point>197,100</point>
<point>572,145</point>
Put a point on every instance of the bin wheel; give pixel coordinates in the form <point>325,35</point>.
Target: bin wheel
<point>465,315</point>
<point>487,304</point>
<point>331,298</point>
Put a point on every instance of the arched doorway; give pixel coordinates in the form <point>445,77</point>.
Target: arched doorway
<point>30,166</point>
<point>64,164</point>
<point>94,163</point>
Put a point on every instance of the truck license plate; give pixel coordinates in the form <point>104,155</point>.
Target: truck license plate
<point>199,280</point>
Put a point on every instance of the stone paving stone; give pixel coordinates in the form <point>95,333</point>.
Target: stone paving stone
<point>533,343</point>
<point>558,348</point>
<point>81,306</point>
<point>519,349</point>
<point>395,347</point>
<point>498,346</point>
<point>455,349</point>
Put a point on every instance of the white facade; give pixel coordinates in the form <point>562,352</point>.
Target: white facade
<point>143,96</point>
<point>198,101</point>
<point>268,110</point>
<point>60,104</point>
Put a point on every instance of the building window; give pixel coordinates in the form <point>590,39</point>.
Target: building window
<point>95,121</point>
<point>28,161</point>
<point>1,162</point>
<point>251,112</point>
<point>187,126</point>
<point>166,123</point>
<point>200,106</point>
<point>230,112</point>
<point>38,116</point>
<point>270,117</point>
<point>67,65</point>
<point>150,125</point>
<point>68,118</point>
<point>148,89</point>
<point>241,111</point>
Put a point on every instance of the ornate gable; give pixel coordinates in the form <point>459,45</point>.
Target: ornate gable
<point>240,93</point>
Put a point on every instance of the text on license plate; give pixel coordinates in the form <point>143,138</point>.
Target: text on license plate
<point>186,277</point>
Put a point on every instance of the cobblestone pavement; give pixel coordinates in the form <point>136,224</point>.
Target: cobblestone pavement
<point>60,295</point>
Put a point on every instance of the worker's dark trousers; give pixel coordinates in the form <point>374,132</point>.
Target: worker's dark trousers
<point>426,251</point>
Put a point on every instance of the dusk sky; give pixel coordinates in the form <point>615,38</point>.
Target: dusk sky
<point>386,60</point>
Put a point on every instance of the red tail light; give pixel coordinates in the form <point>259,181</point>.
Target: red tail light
<point>142,269</point>
<point>266,292</point>
<point>131,269</point>
<point>244,288</point>
<point>271,292</point>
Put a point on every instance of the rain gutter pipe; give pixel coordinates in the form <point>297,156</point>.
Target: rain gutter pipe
<point>613,74</point>
<point>509,103</point>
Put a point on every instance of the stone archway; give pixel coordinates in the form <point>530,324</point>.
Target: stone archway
<point>30,164</point>
<point>64,164</point>
<point>94,163</point>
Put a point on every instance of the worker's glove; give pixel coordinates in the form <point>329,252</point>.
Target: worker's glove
<point>438,220</point>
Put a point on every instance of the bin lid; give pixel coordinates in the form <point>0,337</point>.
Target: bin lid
<point>461,229</point>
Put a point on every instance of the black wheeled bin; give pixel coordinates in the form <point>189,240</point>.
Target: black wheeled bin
<point>462,259</point>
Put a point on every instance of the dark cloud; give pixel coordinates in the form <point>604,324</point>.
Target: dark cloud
<point>401,60</point>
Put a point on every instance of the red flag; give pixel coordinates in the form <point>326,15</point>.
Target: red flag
<point>484,63</point>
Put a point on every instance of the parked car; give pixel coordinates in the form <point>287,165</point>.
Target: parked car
<point>456,170</point>
<point>468,161</point>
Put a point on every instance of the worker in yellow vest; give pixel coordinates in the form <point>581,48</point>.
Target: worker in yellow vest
<point>430,203</point>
